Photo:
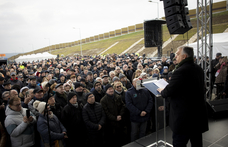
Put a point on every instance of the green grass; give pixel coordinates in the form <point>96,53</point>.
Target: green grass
<point>125,41</point>
<point>219,21</point>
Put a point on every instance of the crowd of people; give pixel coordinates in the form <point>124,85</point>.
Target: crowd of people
<point>89,100</point>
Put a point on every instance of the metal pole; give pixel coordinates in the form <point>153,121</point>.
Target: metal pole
<point>164,122</point>
<point>156,120</point>
<point>158,9</point>
<point>80,40</point>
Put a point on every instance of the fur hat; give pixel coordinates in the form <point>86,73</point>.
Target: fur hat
<point>40,106</point>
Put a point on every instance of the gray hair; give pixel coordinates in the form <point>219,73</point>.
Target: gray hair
<point>5,93</point>
<point>188,51</point>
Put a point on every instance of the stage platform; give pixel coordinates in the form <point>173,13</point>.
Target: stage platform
<point>217,136</point>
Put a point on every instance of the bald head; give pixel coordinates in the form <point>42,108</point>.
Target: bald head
<point>13,93</point>
<point>134,82</point>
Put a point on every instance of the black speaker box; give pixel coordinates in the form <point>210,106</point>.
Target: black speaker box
<point>180,26</point>
<point>168,3</point>
<point>153,33</point>
<point>175,10</point>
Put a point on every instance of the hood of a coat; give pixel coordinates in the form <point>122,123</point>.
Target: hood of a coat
<point>9,111</point>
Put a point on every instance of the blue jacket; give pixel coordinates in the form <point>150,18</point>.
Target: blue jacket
<point>56,128</point>
<point>138,101</point>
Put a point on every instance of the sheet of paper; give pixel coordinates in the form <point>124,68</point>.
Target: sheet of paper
<point>161,83</point>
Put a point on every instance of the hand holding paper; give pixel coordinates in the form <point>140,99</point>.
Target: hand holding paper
<point>160,90</point>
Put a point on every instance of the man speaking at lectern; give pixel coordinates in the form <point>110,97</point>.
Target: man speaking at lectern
<point>188,116</point>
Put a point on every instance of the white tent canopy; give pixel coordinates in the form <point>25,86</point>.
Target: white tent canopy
<point>35,57</point>
<point>220,45</point>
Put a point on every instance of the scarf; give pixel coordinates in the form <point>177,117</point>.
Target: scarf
<point>118,91</point>
<point>75,105</point>
<point>223,64</point>
<point>189,59</point>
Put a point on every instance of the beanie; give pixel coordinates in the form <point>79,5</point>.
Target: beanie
<point>121,75</point>
<point>71,94</point>
<point>77,84</point>
<point>96,83</point>
<point>107,87</point>
<point>87,95</point>
<point>115,79</point>
<point>40,106</point>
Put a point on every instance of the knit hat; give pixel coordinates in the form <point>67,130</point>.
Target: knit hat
<point>23,88</point>
<point>121,75</point>
<point>87,95</point>
<point>77,84</point>
<point>71,94</point>
<point>40,106</point>
<point>115,79</point>
<point>96,83</point>
<point>107,87</point>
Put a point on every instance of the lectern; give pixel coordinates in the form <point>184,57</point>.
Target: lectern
<point>152,86</point>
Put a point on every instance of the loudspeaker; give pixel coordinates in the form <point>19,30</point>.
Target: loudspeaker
<point>153,33</point>
<point>218,105</point>
<point>176,16</point>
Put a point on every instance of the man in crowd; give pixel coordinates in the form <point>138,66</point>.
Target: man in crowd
<point>114,109</point>
<point>94,118</point>
<point>18,125</point>
<point>60,95</point>
<point>139,103</point>
<point>98,91</point>
<point>73,122</point>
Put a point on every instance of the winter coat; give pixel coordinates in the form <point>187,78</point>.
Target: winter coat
<point>16,82</point>
<point>21,133</point>
<point>112,108</point>
<point>98,96</point>
<point>56,128</point>
<point>138,101</point>
<point>72,120</point>
<point>221,78</point>
<point>93,115</point>
<point>186,95</point>
<point>60,99</point>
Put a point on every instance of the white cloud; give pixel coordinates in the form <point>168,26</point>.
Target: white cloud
<point>25,23</point>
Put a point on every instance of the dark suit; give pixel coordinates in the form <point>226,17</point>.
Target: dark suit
<point>187,104</point>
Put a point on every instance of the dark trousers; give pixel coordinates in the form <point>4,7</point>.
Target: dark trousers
<point>138,130</point>
<point>181,140</point>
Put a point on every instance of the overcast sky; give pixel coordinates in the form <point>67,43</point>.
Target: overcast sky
<point>24,24</point>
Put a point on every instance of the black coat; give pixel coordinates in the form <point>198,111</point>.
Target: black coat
<point>73,122</point>
<point>112,108</point>
<point>93,115</point>
<point>187,104</point>
<point>60,99</point>
<point>98,96</point>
